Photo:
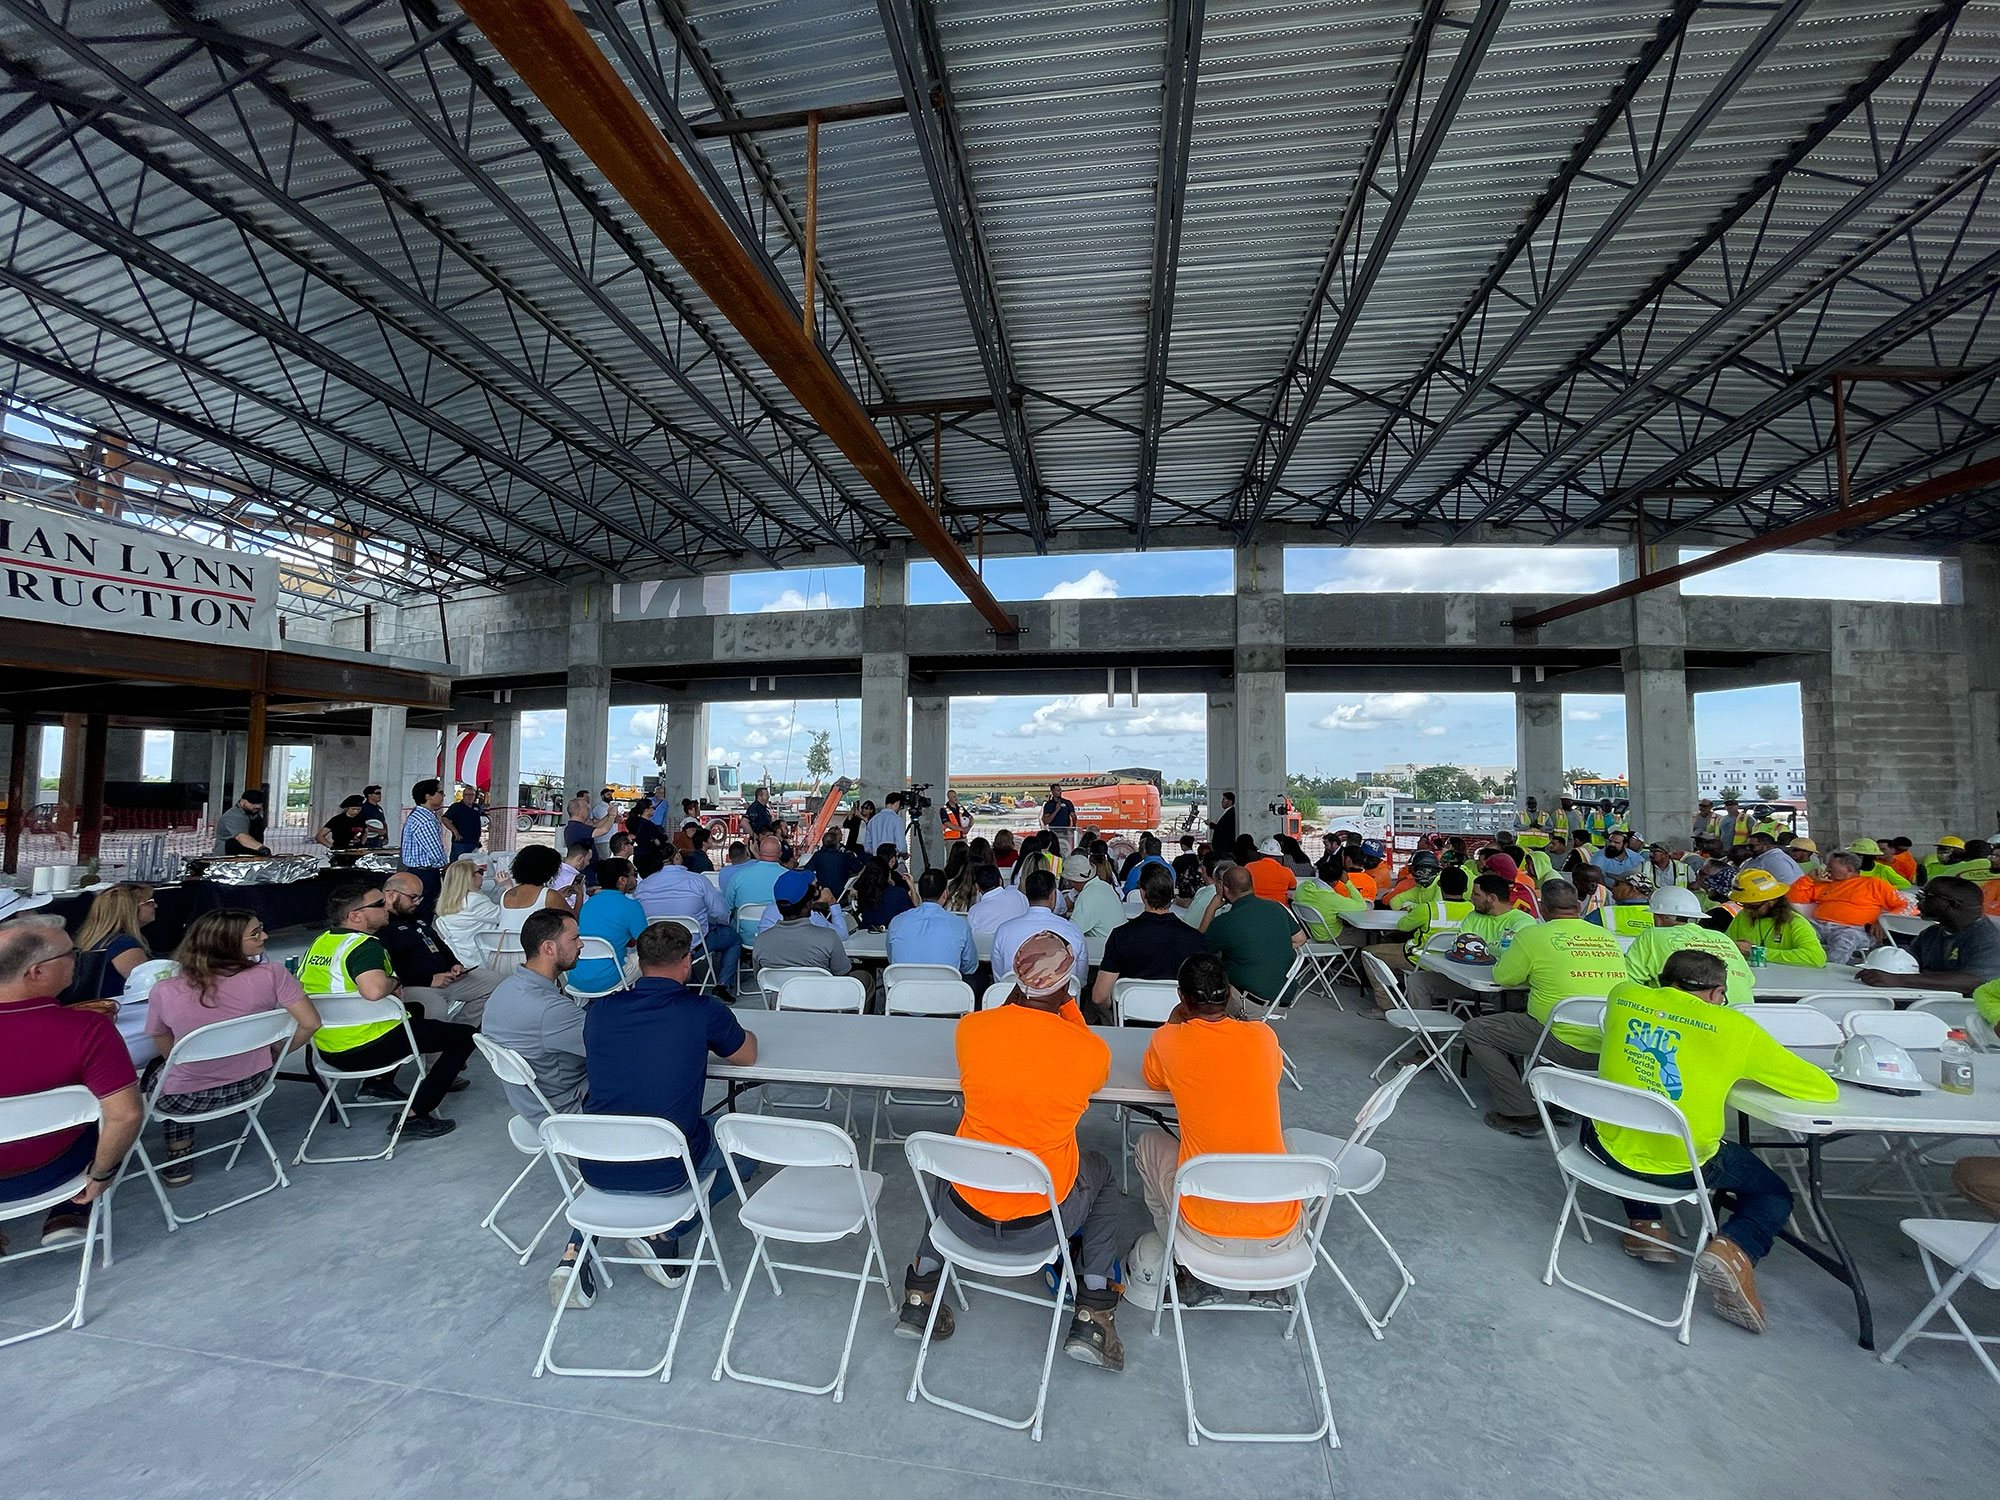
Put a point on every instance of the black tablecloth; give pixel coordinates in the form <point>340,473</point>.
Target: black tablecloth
<point>299,903</point>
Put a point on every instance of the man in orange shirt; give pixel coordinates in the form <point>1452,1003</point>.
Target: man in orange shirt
<point>1270,876</point>
<point>1901,860</point>
<point>1224,1077</point>
<point>1027,1070</point>
<point>1848,908</point>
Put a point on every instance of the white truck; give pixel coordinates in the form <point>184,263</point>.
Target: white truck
<point>1397,820</point>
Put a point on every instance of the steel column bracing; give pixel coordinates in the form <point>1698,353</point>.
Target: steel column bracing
<point>1349,275</point>
<point>1184,21</point>
<point>1654,171</point>
<point>549,48</point>
<point>910,27</point>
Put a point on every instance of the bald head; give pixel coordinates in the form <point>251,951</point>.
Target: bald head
<point>1236,882</point>
<point>768,846</point>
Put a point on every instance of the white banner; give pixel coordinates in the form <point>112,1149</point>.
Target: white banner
<point>670,598</point>
<point>77,570</point>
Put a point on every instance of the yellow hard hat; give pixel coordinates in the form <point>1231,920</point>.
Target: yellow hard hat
<point>1758,885</point>
<point>1951,841</point>
<point>1865,846</point>
<point>1806,844</point>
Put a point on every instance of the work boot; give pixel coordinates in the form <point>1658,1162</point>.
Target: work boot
<point>1513,1124</point>
<point>919,1292</point>
<point>1640,1248</point>
<point>1731,1280</point>
<point>1093,1339</point>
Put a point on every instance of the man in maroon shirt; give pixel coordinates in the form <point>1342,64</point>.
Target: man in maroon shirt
<point>45,1046</point>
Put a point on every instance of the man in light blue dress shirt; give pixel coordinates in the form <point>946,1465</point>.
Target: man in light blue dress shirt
<point>887,827</point>
<point>928,934</point>
<point>669,889</point>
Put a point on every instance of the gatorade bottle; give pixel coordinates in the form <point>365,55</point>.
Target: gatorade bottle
<point>1955,1064</point>
<point>1756,955</point>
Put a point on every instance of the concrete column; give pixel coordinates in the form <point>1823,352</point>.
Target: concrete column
<point>1659,729</point>
<point>191,751</point>
<point>1221,747</point>
<point>930,760</point>
<point>587,719</point>
<point>885,677</point>
<point>1972,590</point>
<point>684,771</point>
<point>218,774</point>
<point>388,733</point>
<point>31,781</point>
<point>125,755</point>
<point>1538,749</point>
<point>69,790</point>
<point>1260,688</point>
<point>339,769</point>
<point>504,792</point>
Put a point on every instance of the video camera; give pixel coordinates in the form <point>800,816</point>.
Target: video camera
<point>915,803</point>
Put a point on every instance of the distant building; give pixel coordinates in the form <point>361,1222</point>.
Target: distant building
<point>1746,773</point>
<point>1397,775</point>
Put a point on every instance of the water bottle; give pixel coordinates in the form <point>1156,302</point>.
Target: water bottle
<point>1756,955</point>
<point>1506,939</point>
<point>1955,1064</point>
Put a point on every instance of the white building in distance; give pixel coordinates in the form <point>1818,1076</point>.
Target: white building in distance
<point>1746,773</point>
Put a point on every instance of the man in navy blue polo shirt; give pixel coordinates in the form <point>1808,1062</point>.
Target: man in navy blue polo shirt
<point>645,1052</point>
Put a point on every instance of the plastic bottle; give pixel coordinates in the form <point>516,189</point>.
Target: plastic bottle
<point>1955,1064</point>
<point>1756,955</point>
<point>1506,939</point>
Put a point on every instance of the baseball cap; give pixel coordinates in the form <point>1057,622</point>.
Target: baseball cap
<point>1758,885</point>
<point>1076,867</point>
<point>1043,964</point>
<point>1674,901</point>
<point>1425,860</point>
<point>1951,841</point>
<point>792,887</point>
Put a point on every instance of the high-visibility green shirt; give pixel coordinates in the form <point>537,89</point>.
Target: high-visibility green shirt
<point>1421,918</point>
<point>1555,960</point>
<point>330,967</point>
<point>1684,1049</point>
<point>1881,869</point>
<point>1987,998</point>
<point>1538,863</point>
<point>1328,901</point>
<point>1651,949</point>
<point>1495,929</point>
<point>1624,918</point>
<point>1795,943</point>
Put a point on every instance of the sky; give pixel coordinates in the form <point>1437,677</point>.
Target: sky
<point>1327,733</point>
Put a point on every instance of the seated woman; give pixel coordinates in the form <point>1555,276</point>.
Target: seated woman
<point>465,913</point>
<point>114,928</point>
<point>222,975</point>
<point>533,872</point>
<point>1004,852</point>
<point>876,897</point>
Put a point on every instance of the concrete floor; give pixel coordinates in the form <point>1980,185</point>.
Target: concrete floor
<point>359,1335</point>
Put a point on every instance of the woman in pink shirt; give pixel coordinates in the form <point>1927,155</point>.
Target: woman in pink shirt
<point>222,975</point>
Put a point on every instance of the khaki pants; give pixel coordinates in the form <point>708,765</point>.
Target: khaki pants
<point>1157,1155</point>
<point>1977,1179</point>
<point>1496,1041</point>
<point>469,993</point>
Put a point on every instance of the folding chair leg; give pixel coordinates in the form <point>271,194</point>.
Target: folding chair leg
<point>1942,1293</point>
<point>95,1227</point>
<point>1375,1325</point>
<point>1032,1422</point>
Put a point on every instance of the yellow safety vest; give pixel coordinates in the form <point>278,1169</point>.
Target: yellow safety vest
<point>323,971</point>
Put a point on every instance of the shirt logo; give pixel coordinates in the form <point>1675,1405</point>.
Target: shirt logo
<point>1654,1053</point>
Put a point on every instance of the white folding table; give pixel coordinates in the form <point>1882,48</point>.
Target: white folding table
<point>1863,1111</point>
<point>874,946</point>
<point>1371,919</point>
<point>1791,981</point>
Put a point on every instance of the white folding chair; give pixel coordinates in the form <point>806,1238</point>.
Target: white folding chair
<point>595,1213</point>
<point>914,993</point>
<point>895,974</point>
<point>1278,1006</point>
<point>1576,1010</point>
<point>22,1118</point>
<point>1287,1178</point>
<point>499,951</point>
<point>1840,1007</point>
<point>265,1031</point>
<point>1135,902</point>
<point>1915,1030</point>
<point>747,920</point>
<point>1358,1169</point>
<point>1972,1250</point>
<point>1434,1033</point>
<point>598,950</point>
<point>1796,1025</point>
<point>510,1067</point>
<point>351,1010</point>
<point>820,1195</point>
<point>1598,1099</point>
<point>1958,1012</point>
<point>835,994</point>
<point>1143,1002</point>
<point>999,992</point>
<point>770,981</point>
<point>1331,960</point>
<point>986,1167</point>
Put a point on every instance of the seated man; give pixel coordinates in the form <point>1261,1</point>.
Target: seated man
<point>1153,945</point>
<point>1677,925</point>
<point>529,1013</point>
<point>1617,857</point>
<point>833,865</point>
<point>1766,920</point>
<point>928,934</point>
<point>45,1045</point>
<point>1224,1076</point>
<point>1494,919</point>
<point>1422,906</point>
<point>1960,953</point>
<point>1627,914</point>
<point>753,884</point>
<point>1561,956</point>
<point>1254,938</point>
<point>418,956</point>
<point>1027,1070</point>
<point>646,1052</point>
<point>615,915</point>
<point>1848,907</point>
<point>1148,854</point>
<point>349,959</point>
<point>1039,887</point>
<point>1765,855</point>
<point>670,889</point>
<point>796,940</point>
<point>1682,1041</point>
<point>996,903</point>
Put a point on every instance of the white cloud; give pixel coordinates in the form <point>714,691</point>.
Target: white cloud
<point>1167,714</point>
<point>1583,715</point>
<point>1095,584</point>
<point>719,755</point>
<point>1820,575</point>
<point>792,599</point>
<point>1466,570</point>
<point>1378,711</point>
<point>1431,731</point>
<point>755,739</point>
<point>643,720</point>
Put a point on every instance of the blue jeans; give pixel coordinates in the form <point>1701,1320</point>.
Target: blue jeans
<point>53,1174</point>
<point>1763,1202</point>
<point>726,948</point>
<point>711,1161</point>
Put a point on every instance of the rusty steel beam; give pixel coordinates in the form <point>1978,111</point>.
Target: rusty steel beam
<point>798,119</point>
<point>548,47</point>
<point>1882,508</point>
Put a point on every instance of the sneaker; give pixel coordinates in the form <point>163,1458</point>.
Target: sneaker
<point>1276,1300</point>
<point>916,1312</point>
<point>1192,1290</point>
<point>384,1087</point>
<point>1732,1283</point>
<point>175,1171</point>
<point>1093,1339</point>
<point>581,1295</point>
<point>64,1227</point>
<point>652,1257</point>
<point>459,1085</point>
<point>424,1127</point>
<point>1640,1247</point>
<point>1514,1124</point>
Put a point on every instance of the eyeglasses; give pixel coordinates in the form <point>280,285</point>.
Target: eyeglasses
<point>371,905</point>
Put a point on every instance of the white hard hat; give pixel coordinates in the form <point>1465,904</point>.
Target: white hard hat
<point>1271,847</point>
<point>1889,959</point>
<point>1673,901</point>
<point>1145,1272</point>
<point>1875,1062</point>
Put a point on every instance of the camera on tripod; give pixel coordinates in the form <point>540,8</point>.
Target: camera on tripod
<point>915,803</point>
